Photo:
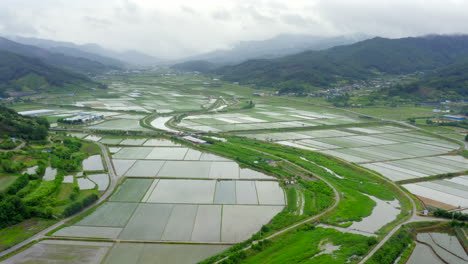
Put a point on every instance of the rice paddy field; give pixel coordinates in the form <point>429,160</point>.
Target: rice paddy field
<point>161,94</point>
<point>437,248</point>
<point>449,194</point>
<point>183,210</point>
<point>77,252</point>
<point>170,194</point>
<point>264,117</point>
<point>175,204</point>
<point>397,153</point>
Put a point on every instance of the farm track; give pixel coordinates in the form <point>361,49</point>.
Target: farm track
<point>20,146</point>
<point>107,193</point>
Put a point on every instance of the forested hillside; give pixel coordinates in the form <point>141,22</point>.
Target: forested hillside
<point>449,82</point>
<point>24,74</point>
<point>359,61</point>
<point>16,125</point>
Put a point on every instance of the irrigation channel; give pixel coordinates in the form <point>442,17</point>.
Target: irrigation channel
<point>113,183</point>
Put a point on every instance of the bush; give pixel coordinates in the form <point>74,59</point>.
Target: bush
<point>12,210</point>
<point>19,184</point>
<point>77,206</point>
<point>451,215</point>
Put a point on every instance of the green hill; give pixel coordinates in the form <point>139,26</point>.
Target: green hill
<point>15,125</point>
<point>358,61</point>
<point>24,74</point>
<point>450,82</point>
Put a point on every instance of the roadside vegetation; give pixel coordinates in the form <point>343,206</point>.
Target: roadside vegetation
<point>352,183</point>
<point>31,200</point>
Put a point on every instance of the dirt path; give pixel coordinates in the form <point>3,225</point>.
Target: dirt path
<point>20,146</point>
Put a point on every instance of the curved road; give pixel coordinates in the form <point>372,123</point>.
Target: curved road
<point>113,183</point>
<point>308,220</point>
<point>107,193</point>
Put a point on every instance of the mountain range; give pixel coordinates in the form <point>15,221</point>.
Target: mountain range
<point>358,61</point>
<point>278,46</point>
<point>27,74</point>
<point>91,51</point>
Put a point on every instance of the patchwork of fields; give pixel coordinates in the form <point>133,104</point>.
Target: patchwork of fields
<point>449,193</point>
<point>263,117</point>
<point>77,252</point>
<point>444,248</point>
<point>174,193</point>
<point>188,205</point>
<point>397,153</point>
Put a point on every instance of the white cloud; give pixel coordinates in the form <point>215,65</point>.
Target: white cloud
<point>181,27</point>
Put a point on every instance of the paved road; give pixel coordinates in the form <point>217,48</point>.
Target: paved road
<point>110,189</point>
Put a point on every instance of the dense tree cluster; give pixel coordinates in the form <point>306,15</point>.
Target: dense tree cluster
<point>451,215</point>
<point>16,125</point>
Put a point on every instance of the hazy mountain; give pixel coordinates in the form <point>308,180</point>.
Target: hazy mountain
<point>191,66</point>
<point>26,74</point>
<point>278,46</point>
<point>57,59</point>
<point>103,55</point>
<point>358,61</point>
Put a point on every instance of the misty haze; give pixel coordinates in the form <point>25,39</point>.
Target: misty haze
<point>223,132</point>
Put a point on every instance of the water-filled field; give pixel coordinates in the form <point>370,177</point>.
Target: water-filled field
<point>264,117</point>
<point>397,153</point>
<point>183,210</point>
<point>59,251</point>
<point>444,248</point>
<point>93,163</point>
<point>119,124</point>
<point>452,192</point>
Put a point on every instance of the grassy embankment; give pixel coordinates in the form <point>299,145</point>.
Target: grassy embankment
<point>354,205</point>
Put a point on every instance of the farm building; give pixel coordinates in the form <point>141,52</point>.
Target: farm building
<point>36,112</point>
<point>81,118</point>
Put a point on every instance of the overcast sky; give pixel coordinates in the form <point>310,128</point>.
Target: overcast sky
<point>176,28</point>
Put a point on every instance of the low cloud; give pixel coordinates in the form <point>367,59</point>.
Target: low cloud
<point>181,28</point>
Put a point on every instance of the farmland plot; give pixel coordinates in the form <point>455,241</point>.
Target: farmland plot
<point>259,119</point>
<point>122,165</point>
<point>49,174</point>
<point>145,168</point>
<point>57,251</point>
<point>132,190</point>
<point>110,214</point>
<point>444,249</point>
<point>101,180</point>
<point>241,221</point>
<point>93,163</point>
<point>453,192</point>
<point>85,184</point>
<point>133,141</point>
<point>119,124</point>
<point>123,253</point>
<point>89,231</point>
